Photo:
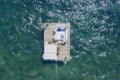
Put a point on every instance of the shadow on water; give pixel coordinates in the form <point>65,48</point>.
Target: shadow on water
<point>59,63</point>
<point>42,40</point>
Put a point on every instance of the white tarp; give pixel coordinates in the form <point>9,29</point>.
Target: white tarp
<point>60,33</point>
<point>59,36</point>
<point>50,52</point>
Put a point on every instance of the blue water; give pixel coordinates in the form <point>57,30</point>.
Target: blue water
<point>95,39</point>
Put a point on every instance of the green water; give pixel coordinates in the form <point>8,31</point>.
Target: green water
<point>95,39</point>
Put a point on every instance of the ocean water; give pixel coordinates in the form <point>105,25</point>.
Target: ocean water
<point>95,39</point>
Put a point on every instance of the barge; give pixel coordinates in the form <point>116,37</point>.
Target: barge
<point>56,42</point>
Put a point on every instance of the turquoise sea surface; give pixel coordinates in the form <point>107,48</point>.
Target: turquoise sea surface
<point>95,39</point>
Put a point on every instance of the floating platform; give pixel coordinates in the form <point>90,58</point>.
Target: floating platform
<point>57,42</point>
